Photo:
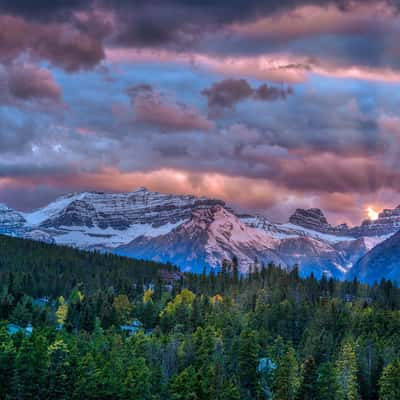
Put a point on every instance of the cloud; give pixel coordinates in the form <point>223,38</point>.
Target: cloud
<point>229,92</point>
<point>331,173</point>
<point>151,107</point>
<point>26,81</point>
<point>61,43</point>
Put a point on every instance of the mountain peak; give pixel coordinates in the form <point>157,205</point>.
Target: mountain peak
<point>313,218</point>
<point>141,189</point>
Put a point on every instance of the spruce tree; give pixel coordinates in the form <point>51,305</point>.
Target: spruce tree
<point>389,382</point>
<point>308,386</point>
<point>347,372</point>
<point>328,382</point>
<point>286,380</point>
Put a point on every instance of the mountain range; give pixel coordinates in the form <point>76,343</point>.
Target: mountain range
<point>199,232</point>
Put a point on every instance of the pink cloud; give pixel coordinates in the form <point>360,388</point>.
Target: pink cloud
<point>313,20</point>
<point>155,109</point>
<point>61,44</point>
<point>26,81</point>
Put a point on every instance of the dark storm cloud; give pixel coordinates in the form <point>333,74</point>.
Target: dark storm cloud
<point>227,93</point>
<point>73,34</point>
<point>43,9</point>
<point>58,43</point>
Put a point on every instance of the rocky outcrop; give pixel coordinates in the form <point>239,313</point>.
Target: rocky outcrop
<point>10,220</point>
<point>387,223</point>
<point>312,218</point>
<point>119,211</point>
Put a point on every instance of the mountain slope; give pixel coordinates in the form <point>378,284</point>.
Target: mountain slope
<point>10,220</point>
<point>383,261</point>
<point>209,237</point>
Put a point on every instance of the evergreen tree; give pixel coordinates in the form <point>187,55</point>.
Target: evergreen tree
<point>328,382</point>
<point>286,381</point>
<point>390,382</point>
<point>230,391</point>
<point>7,363</point>
<point>137,381</point>
<point>59,371</point>
<point>308,386</point>
<point>31,366</point>
<point>347,372</point>
<point>183,386</point>
<point>248,361</point>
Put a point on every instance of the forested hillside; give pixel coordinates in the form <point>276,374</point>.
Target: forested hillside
<point>114,328</point>
<point>40,269</point>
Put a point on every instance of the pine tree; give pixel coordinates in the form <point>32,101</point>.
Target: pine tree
<point>58,371</point>
<point>286,381</point>
<point>183,386</point>
<point>390,382</point>
<point>7,363</point>
<point>248,361</point>
<point>328,382</point>
<point>347,372</point>
<point>31,366</point>
<point>137,381</point>
<point>308,386</point>
<point>230,391</point>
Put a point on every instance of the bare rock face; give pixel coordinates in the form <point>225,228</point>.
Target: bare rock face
<point>387,223</point>
<point>10,220</point>
<point>119,211</point>
<point>311,219</point>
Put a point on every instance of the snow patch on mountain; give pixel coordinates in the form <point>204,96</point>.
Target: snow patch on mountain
<point>108,238</point>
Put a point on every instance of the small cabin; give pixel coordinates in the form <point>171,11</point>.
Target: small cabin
<point>133,328</point>
<point>265,365</point>
<point>348,298</point>
<point>13,329</point>
<point>41,302</point>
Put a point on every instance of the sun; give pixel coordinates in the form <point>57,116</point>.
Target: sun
<point>372,213</point>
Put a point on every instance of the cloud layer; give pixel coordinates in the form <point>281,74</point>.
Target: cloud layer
<point>272,105</point>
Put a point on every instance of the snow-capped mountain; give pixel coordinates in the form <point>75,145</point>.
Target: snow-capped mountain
<point>108,220</point>
<point>210,236</point>
<point>195,232</point>
<point>10,220</point>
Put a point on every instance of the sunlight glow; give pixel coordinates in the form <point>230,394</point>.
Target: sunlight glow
<point>372,214</point>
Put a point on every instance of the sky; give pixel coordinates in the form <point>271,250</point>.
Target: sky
<point>269,105</point>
